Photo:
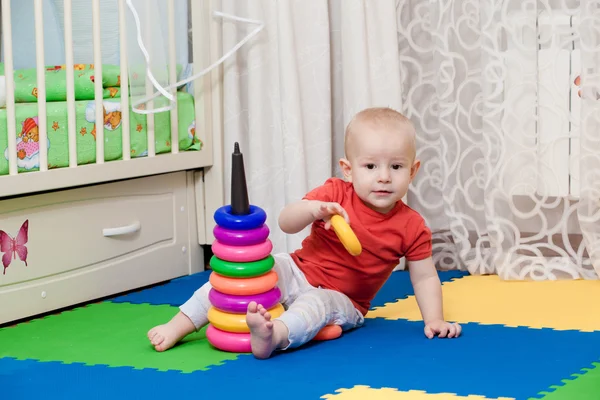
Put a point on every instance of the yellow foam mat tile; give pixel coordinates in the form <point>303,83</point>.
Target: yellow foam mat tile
<point>364,392</point>
<point>560,305</point>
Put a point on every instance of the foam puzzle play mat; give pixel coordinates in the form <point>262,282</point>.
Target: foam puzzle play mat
<point>521,340</point>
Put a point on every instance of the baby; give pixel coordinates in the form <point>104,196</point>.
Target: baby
<point>321,283</point>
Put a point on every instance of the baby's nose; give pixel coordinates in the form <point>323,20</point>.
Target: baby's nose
<point>384,176</point>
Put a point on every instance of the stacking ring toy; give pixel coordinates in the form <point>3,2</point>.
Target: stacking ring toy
<point>225,218</point>
<point>236,322</point>
<point>242,253</point>
<point>241,237</point>
<point>239,304</point>
<point>346,235</point>
<point>242,270</point>
<point>243,286</point>
<point>329,332</point>
<point>229,341</point>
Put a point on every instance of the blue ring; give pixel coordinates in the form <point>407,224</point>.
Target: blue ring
<point>223,217</point>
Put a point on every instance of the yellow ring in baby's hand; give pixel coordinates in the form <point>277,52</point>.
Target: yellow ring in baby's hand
<point>346,235</point>
<point>231,322</point>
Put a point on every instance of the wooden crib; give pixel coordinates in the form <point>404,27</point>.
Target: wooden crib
<point>91,209</point>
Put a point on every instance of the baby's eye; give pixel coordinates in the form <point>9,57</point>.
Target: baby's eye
<point>396,166</point>
<point>370,166</point>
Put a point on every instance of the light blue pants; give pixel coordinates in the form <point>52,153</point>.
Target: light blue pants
<point>308,309</point>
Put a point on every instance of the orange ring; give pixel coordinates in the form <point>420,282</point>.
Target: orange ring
<point>329,332</point>
<point>243,286</point>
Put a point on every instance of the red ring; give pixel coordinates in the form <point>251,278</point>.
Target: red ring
<point>329,332</point>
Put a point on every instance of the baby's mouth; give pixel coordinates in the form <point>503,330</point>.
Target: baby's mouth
<point>382,192</point>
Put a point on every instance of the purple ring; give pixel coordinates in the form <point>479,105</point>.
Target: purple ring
<point>241,237</point>
<point>239,304</point>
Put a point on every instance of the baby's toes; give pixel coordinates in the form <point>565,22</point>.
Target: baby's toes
<point>253,307</point>
<point>157,339</point>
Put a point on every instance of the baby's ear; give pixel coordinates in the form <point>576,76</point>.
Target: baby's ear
<point>346,169</point>
<point>413,170</point>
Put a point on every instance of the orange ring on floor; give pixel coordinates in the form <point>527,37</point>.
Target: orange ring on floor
<point>229,322</point>
<point>329,332</point>
<point>243,286</point>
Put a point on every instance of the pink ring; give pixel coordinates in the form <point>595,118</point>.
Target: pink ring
<point>241,237</point>
<point>228,341</point>
<point>239,304</point>
<point>242,253</point>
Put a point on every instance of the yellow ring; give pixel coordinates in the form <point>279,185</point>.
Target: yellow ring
<point>346,235</point>
<point>236,322</point>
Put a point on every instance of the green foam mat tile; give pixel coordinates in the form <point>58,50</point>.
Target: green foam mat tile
<point>584,386</point>
<point>112,334</point>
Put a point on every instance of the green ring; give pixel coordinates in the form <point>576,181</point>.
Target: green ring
<point>242,269</point>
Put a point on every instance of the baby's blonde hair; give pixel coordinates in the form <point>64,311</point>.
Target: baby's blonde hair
<point>380,116</point>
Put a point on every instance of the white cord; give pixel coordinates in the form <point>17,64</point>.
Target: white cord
<point>164,90</point>
<point>150,76</point>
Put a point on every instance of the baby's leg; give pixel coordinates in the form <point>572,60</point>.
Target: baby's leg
<point>165,336</point>
<point>265,335</point>
<point>305,317</point>
<point>193,314</point>
<point>190,318</point>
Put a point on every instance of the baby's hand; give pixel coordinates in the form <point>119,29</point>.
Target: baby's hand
<point>325,210</point>
<point>442,329</point>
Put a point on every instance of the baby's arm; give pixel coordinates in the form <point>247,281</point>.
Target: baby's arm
<point>428,292</point>
<point>297,216</point>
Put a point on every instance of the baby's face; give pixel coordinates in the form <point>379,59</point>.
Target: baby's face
<point>382,166</point>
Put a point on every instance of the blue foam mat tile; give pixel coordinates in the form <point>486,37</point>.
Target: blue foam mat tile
<point>399,287</point>
<point>488,360</point>
<point>31,379</point>
<point>174,293</point>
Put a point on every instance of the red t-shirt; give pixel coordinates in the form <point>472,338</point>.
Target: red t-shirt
<point>385,238</point>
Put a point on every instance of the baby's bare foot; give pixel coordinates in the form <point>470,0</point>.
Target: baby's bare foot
<point>165,336</point>
<point>262,338</point>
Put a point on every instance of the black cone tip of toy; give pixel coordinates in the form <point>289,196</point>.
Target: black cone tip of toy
<point>240,204</point>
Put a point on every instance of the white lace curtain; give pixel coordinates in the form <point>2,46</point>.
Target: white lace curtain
<point>505,95</point>
<point>510,182</point>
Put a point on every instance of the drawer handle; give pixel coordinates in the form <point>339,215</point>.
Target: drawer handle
<point>122,230</point>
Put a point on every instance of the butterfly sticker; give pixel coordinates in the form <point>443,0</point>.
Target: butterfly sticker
<point>14,247</point>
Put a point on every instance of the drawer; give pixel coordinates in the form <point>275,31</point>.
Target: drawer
<point>91,242</point>
<point>68,236</point>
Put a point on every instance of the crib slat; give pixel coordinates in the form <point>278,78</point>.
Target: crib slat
<point>98,92</point>
<point>10,88</point>
<point>68,11</point>
<point>147,32</point>
<point>173,77</point>
<point>124,83</point>
<point>41,84</point>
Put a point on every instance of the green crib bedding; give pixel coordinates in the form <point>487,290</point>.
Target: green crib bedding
<point>25,81</point>
<point>57,131</point>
